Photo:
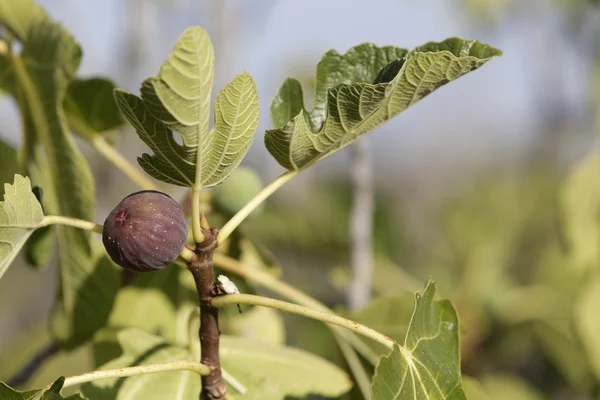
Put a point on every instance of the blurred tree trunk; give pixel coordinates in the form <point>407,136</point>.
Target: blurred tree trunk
<point>361,225</point>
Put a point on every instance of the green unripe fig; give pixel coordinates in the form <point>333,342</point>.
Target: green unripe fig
<point>235,192</point>
<point>146,231</point>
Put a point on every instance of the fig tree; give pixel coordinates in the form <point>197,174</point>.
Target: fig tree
<point>146,231</point>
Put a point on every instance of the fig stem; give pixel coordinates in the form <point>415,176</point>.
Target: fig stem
<point>197,231</point>
<point>137,370</point>
<point>291,293</point>
<point>241,215</point>
<point>186,254</point>
<point>327,317</point>
<point>201,267</point>
<point>74,222</point>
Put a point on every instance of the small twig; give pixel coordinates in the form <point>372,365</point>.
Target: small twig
<point>234,383</point>
<point>361,226</point>
<point>306,312</point>
<point>201,267</point>
<point>33,365</point>
<point>193,366</point>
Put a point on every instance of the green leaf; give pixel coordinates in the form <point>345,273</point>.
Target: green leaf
<point>360,90</point>
<point>91,289</point>
<point>268,372</point>
<point>20,16</point>
<point>179,100</point>
<point>259,324</point>
<point>389,315</point>
<point>428,366</point>
<point>568,352</point>
<point>588,322</point>
<point>180,95</point>
<point>42,73</point>
<point>172,163</point>
<point>141,348</point>
<point>272,372</point>
<point>51,393</point>
<point>474,389</point>
<point>501,387</point>
<point>20,215</point>
<point>8,165</point>
<point>40,247</point>
<point>90,107</point>
<point>158,302</point>
<point>581,202</point>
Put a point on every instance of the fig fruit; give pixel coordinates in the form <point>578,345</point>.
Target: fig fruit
<point>146,231</point>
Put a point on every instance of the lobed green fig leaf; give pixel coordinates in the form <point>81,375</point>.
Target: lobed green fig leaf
<point>172,163</point>
<point>20,215</point>
<point>178,100</point>
<point>141,348</point>
<point>284,372</point>
<point>359,91</point>
<point>428,365</point>
<point>51,393</point>
<point>268,372</point>
<point>41,75</point>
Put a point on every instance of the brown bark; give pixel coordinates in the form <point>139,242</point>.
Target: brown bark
<point>201,267</point>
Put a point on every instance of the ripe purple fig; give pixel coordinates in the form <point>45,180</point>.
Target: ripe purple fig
<point>146,231</point>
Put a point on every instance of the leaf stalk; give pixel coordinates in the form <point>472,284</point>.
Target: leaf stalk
<point>74,222</point>
<point>241,215</point>
<point>304,311</point>
<point>292,293</point>
<point>196,226</point>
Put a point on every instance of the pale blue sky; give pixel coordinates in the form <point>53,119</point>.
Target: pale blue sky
<point>488,115</point>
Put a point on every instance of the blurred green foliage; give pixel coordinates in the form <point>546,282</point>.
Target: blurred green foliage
<point>499,251</point>
<point>516,253</point>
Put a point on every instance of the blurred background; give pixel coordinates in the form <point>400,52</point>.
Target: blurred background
<point>490,186</point>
